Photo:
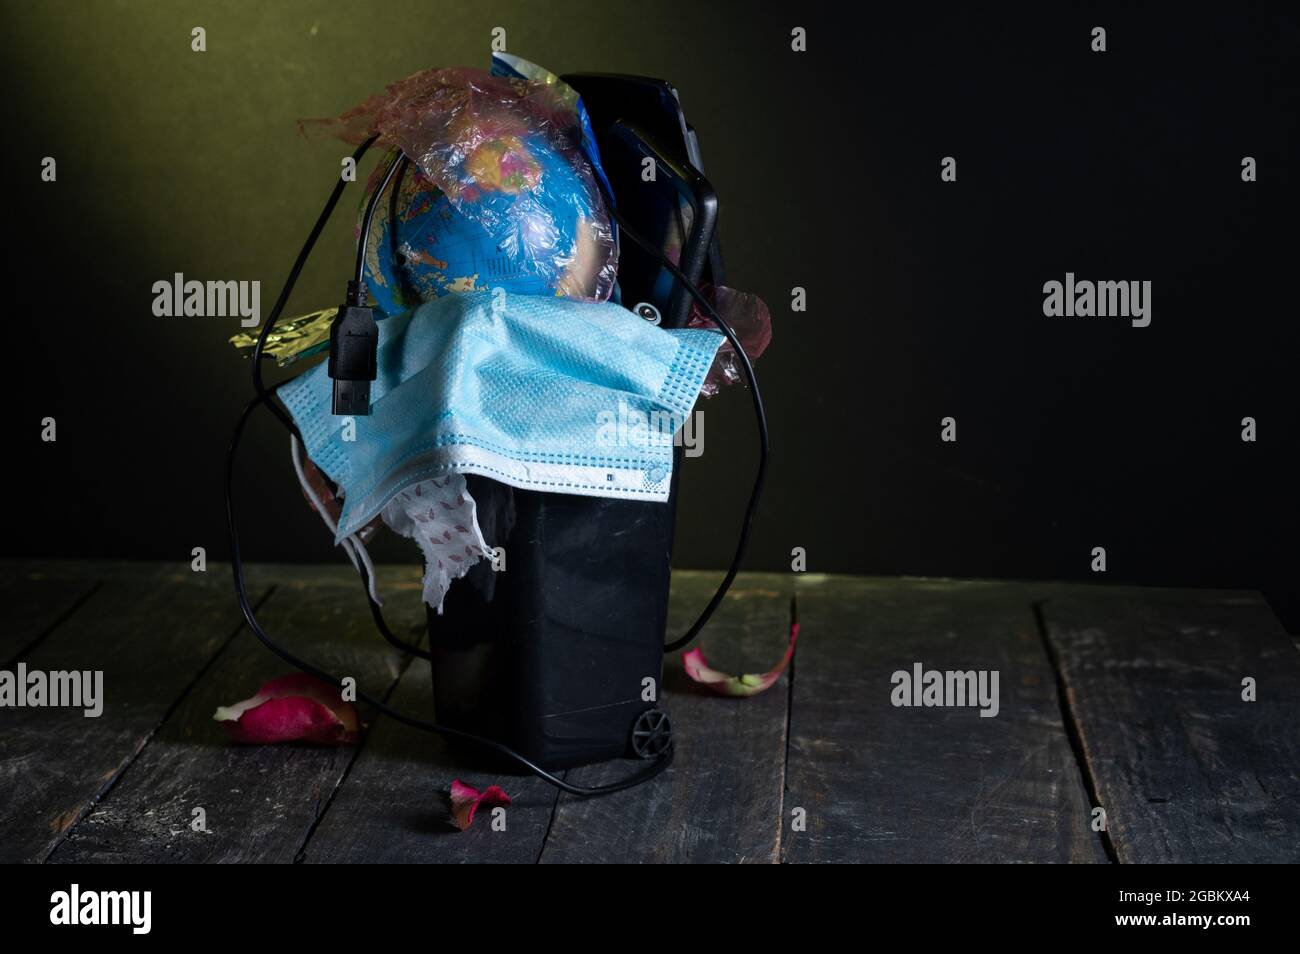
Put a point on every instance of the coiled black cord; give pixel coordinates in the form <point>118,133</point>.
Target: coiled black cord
<point>264,394</point>
<point>264,397</point>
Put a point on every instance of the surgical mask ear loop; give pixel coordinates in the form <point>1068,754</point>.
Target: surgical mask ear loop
<point>353,546</point>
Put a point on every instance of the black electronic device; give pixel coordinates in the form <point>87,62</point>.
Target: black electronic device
<point>669,202</point>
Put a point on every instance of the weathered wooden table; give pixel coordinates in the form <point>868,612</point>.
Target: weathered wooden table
<point>1128,699</point>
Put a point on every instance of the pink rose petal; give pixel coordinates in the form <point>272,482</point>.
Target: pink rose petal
<point>465,801</point>
<point>749,684</point>
<point>292,708</point>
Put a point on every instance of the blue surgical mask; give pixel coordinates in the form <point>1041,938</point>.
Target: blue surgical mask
<point>537,392</point>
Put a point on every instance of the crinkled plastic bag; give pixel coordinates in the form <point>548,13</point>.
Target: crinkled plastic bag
<point>509,152</point>
<point>748,317</point>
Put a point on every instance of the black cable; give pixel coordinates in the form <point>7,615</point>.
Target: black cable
<point>292,280</point>
<point>264,394</point>
<point>377,614</point>
<point>399,162</point>
<point>397,166</point>
<point>265,397</point>
<point>759,415</point>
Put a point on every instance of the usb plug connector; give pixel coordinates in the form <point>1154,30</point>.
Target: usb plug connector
<point>351,398</point>
<point>354,346</point>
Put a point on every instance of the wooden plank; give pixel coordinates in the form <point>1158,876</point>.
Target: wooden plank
<point>394,807</point>
<point>260,802</point>
<point>150,639</point>
<point>720,800</point>
<point>884,783</point>
<point>335,573</point>
<point>1186,770</point>
<point>32,604</point>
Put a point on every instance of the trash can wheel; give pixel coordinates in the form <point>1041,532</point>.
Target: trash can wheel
<point>652,734</point>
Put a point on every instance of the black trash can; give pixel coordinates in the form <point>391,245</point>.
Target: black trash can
<point>559,654</point>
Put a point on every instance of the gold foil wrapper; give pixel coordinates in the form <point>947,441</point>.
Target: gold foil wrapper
<point>293,338</point>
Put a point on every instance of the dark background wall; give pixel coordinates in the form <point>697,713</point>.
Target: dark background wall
<point>924,297</point>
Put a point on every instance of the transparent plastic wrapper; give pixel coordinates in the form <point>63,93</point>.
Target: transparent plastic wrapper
<point>511,153</point>
<point>748,318</point>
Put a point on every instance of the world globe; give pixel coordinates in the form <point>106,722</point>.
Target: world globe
<point>527,226</point>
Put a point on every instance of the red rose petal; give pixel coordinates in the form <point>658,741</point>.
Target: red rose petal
<point>465,801</point>
<point>292,708</point>
<point>749,684</point>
